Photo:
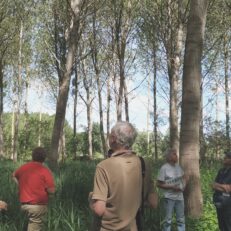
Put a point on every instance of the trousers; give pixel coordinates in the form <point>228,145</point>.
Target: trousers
<point>223,217</point>
<point>37,215</point>
<point>171,206</point>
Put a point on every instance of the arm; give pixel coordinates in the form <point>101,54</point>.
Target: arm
<point>97,206</point>
<point>14,178</point>
<point>49,182</point>
<point>218,186</point>
<point>221,187</point>
<point>97,198</point>
<point>161,181</point>
<point>163,185</point>
<point>50,190</point>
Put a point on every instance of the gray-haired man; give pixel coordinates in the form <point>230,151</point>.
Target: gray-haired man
<point>116,196</point>
<point>172,180</point>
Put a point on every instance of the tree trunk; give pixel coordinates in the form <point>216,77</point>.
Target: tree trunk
<point>17,98</point>
<point>99,85</point>
<point>89,118</point>
<point>217,146</point>
<point>62,147</point>
<point>26,123</point>
<point>121,92</point>
<point>14,130</point>
<point>64,86</point>
<point>190,117</point>
<point>1,111</point>
<point>123,25</point>
<point>108,105</point>
<point>89,126</point>
<point>104,145</point>
<point>75,85</point>
<point>126,104</point>
<point>226,93</point>
<point>202,138</point>
<point>87,82</point>
<point>174,50</point>
<point>155,116</point>
<point>148,117</point>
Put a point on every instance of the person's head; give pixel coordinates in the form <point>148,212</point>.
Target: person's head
<point>39,154</point>
<point>171,156</point>
<point>122,135</point>
<point>227,159</point>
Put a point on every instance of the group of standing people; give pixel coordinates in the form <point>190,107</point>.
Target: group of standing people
<point>122,186</point>
<point>119,189</point>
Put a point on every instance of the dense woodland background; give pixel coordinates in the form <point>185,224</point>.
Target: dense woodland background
<point>96,57</point>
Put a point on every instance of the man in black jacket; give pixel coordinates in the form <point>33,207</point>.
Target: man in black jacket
<point>222,194</point>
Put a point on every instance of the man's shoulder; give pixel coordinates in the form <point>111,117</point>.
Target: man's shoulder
<point>25,165</point>
<point>178,166</point>
<point>113,161</point>
<point>164,166</point>
<point>105,162</point>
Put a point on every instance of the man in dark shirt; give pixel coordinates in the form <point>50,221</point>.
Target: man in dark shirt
<point>222,194</point>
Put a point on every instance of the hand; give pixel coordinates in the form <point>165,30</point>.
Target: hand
<point>216,186</point>
<point>3,205</point>
<point>177,189</point>
<point>227,188</point>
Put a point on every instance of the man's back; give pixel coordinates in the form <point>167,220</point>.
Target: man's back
<point>33,180</point>
<point>118,181</point>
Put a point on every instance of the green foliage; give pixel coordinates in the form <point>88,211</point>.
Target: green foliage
<point>142,147</point>
<point>81,142</point>
<point>97,144</point>
<point>29,133</point>
<point>208,221</point>
<point>141,144</point>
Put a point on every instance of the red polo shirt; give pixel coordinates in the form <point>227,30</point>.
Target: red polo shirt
<point>34,179</point>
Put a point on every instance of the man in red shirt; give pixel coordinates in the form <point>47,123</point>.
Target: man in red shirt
<point>35,183</point>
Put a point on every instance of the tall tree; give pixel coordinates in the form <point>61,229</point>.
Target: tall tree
<point>226,67</point>
<point>172,35</point>
<point>75,84</point>
<point>190,117</point>
<point>123,14</point>
<point>77,11</point>
<point>9,15</point>
<point>96,48</point>
<point>88,86</point>
<point>148,36</point>
<point>17,90</point>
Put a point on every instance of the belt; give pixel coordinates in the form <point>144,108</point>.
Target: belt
<point>28,203</point>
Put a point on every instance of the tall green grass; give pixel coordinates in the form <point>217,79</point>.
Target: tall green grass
<point>68,208</point>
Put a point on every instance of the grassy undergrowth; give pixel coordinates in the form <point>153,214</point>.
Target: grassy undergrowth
<point>68,209</point>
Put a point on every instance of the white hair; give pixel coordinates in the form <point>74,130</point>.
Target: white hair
<point>125,134</point>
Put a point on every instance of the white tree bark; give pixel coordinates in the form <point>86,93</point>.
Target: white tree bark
<point>190,117</point>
